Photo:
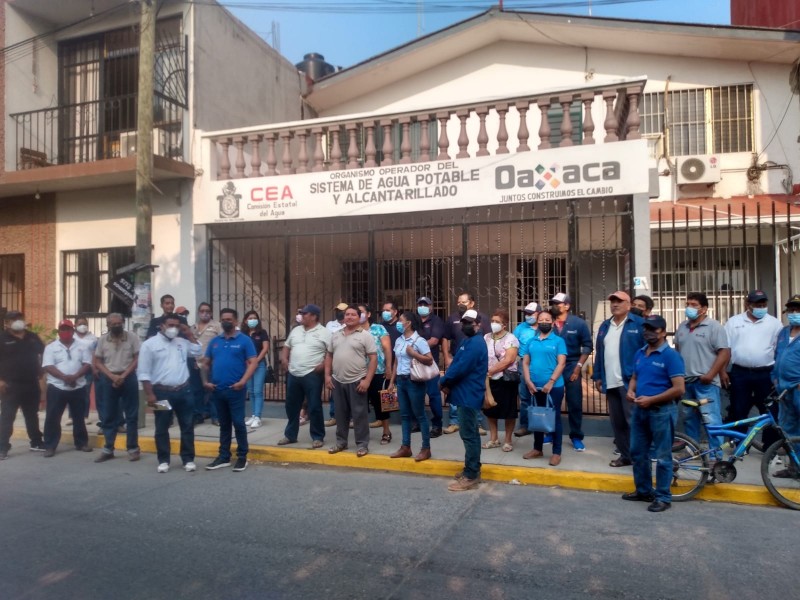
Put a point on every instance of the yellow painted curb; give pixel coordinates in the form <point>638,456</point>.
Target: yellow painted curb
<point>533,475</point>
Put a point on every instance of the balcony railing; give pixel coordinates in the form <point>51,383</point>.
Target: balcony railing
<point>560,119</point>
<point>94,130</point>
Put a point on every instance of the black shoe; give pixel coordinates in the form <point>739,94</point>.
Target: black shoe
<point>619,462</point>
<point>215,422</point>
<point>659,506</point>
<point>415,428</point>
<point>84,448</point>
<point>3,454</point>
<point>104,456</point>
<point>49,453</point>
<point>637,497</point>
<point>218,463</point>
<point>436,432</point>
<point>38,447</point>
<point>241,465</point>
<point>199,421</point>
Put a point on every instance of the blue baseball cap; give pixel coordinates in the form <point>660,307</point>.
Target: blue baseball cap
<point>311,308</point>
<point>655,322</point>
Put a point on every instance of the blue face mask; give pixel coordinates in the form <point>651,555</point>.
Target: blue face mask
<point>794,319</point>
<point>399,327</point>
<point>423,311</point>
<point>386,316</point>
<point>759,313</point>
<point>252,323</point>
<point>691,313</point>
<point>530,319</point>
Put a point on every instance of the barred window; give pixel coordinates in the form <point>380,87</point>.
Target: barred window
<point>12,282</point>
<point>86,272</point>
<point>703,120</point>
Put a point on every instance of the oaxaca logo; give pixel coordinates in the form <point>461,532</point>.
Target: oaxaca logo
<point>229,202</point>
<point>507,177</point>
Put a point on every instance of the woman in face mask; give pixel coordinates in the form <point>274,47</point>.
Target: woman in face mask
<point>545,355</point>
<point>84,337</point>
<point>382,343</point>
<point>502,347</point>
<point>251,325</point>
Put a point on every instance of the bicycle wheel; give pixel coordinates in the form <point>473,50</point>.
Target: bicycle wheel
<point>689,468</point>
<point>781,473</point>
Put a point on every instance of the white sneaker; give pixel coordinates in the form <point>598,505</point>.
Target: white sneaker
<point>249,421</point>
<point>190,467</point>
<point>256,422</point>
<point>68,422</point>
<point>163,467</point>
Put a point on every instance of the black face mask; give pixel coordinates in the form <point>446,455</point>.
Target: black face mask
<point>468,329</point>
<point>650,336</point>
<point>339,315</point>
<point>637,311</point>
<point>462,308</point>
<point>545,327</point>
<point>116,329</point>
<point>228,326</point>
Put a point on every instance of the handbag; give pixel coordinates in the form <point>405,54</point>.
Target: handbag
<point>511,376</point>
<point>389,402</point>
<point>269,376</point>
<point>421,371</point>
<point>488,398</point>
<point>542,418</point>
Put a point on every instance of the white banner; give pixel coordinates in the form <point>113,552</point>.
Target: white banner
<point>619,168</point>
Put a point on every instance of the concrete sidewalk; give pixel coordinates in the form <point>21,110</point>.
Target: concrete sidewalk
<point>587,470</point>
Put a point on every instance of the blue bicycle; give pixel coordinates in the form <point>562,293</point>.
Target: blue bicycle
<point>780,465</point>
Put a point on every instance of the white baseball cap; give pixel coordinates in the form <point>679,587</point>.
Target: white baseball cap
<point>470,314</point>
<point>533,307</point>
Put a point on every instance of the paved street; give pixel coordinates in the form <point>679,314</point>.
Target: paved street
<point>76,530</point>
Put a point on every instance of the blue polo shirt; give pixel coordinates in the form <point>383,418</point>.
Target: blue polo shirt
<point>544,353</point>
<point>654,373</point>
<point>229,358</point>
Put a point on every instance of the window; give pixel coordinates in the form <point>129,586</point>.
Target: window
<point>538,279</point>
<point>701,121</point>
<point>12,282</point>
<point>86,273</point>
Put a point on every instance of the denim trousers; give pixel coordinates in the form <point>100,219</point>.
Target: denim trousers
<point>540,398</point>
<point>57,401</point>
<point>749,388</point>
<point>652,432</point>
<point>308,388</point>
<point>711,410</point>
<point>183,406</point>
<point>435,401</point>
<point>116,402</point>
<point>255,390</point>
<point>789,417</point>
<point>453,415</point>
<point>25,397</point>
<point>619,412</point>
<point>230,412</point>
<point>411,397</point>
<point>573,394</point>
<point>87,398</point>
<point>199,394</point>
<point>472,441</point>
<point>524,402</point>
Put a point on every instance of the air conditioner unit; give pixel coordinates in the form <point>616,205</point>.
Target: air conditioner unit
<point>127,143</point>
<point>698,169</point>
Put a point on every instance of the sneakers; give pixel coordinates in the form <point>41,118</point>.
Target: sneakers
<point>68,422</point>
<point>190,467</point>
<point>249,421</point>
<point>241,465</point>
<point>463,484</point>
<point>451,429</point>
<point>104,457</point>
<point>330,422</point>
<point>3,454</point>
<point>548,438</point>
<point>163,468</point>
<point>578,445</point>
<point>218,463</point>
<point>37,447</point>
<point>49,453</point>
<point>255,423</point>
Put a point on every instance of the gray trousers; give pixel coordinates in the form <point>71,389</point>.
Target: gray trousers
<point>351,405</point>
<point>619,409</point>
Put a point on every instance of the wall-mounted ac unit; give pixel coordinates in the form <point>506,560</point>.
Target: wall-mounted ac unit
<point>127,143</point>
<point>698,169</point>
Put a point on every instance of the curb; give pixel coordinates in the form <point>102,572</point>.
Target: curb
<point>575,480</point>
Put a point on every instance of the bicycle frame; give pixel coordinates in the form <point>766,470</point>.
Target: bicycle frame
<point>745,439</point>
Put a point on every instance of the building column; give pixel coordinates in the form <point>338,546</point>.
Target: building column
<point>640,248</point>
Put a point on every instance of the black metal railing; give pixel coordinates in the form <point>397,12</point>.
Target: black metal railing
<point>94,130</point>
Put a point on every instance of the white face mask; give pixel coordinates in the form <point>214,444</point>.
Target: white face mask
<point>18,325</point>
<point>497,327</point>
<point>298,318</point>
<point>82,328</point>
<point>171,332</point>
<point>362,318</point>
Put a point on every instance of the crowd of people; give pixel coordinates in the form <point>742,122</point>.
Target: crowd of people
<point>211,369</point>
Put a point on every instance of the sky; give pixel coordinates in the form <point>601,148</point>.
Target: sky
<point>347,32</point>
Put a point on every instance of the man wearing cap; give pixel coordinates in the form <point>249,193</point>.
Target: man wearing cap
<point>303,358</point>
<point>168,308</point>
<point>656,384</point>
<point>578,339</point>
<point>786,375</point>
<point>753,337</point>
<point>618,339</point>
<point>523,332</point>
<point>464,383</point>
<point>333,327</point>
<point>433,332</point>
<point>703,345</point>
<point>66,364</point>
<point>20,365</point>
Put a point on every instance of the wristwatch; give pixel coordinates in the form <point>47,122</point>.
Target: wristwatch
<point>580,365</point>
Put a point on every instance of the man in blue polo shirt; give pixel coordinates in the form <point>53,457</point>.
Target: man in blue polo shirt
<point>656,384</point>
<point>231,358</point>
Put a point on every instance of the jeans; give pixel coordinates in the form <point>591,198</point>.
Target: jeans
<point>749,388</point>
<point>117,401</point>
<point>619,412</point>
<point>652,432</point>
<point>573,392</point>
<point>453,416</point>
<point>692,421</point>
<point>411,397</point>
<point>472,442</point>
<point>789,417</point>
<point>83,412</point>
<point>435,401</point>
<point>557,394</point>
<point>255,389</point>
<point>308,388</point>
<point>25,397</point>
<point>57,401</point>
<point>183,407</point>
<point>524,402</point>
<point>230,412</point>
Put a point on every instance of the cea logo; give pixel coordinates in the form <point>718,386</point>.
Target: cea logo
<point>507,177</point>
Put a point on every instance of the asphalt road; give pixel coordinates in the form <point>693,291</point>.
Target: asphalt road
<point>72,529</point>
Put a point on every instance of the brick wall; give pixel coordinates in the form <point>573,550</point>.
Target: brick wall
<point>28,228</point>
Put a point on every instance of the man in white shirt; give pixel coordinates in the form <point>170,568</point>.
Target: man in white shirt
<point>164,375</point>
<point>66,363</point>
<point>752,336</point>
